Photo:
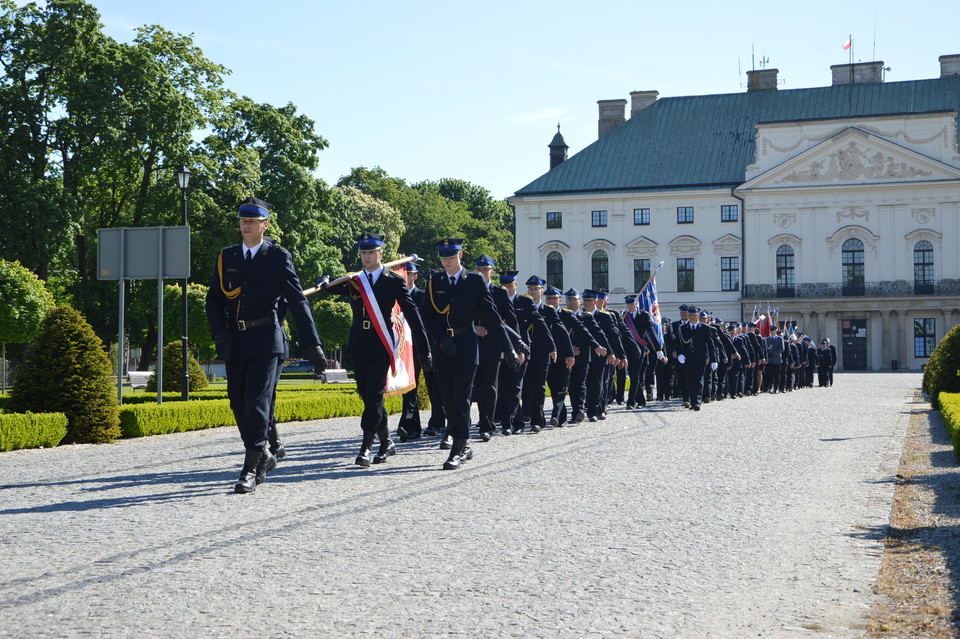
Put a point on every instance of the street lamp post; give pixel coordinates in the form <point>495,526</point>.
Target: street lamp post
<point>183,180</point>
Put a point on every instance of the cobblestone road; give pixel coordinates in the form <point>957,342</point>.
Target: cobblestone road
<point>757,517</point>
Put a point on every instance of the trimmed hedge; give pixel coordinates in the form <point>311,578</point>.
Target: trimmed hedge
<point>942,372</point>
<point>31,430</point>
<point>950,409</point>
<point>138,420</point>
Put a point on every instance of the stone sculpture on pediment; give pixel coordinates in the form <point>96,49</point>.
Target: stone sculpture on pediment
<point>852,213</point>
<point>853,163</point>
<point>784,220</point>
<point>923,216</point>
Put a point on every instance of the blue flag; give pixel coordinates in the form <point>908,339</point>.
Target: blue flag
<point>648,302</point>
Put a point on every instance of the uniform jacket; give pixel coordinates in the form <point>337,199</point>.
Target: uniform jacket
<point>696,344</point>
<point>389,288</point>
<point>608,324</point>
<point>561,338</point>
<point>453,312</point>
<point>262,290</point>
<point>775,347</point>
<point>490,349</point>
<point>533,329</point>
<point>579,335</point>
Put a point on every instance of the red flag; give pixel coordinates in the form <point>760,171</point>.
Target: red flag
<point>848,44</point>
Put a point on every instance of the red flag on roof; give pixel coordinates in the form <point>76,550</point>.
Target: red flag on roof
<point>848,44</point>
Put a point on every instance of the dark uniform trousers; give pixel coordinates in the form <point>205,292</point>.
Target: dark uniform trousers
<point>636,372</point>
<point>261,291</point>
<point>595,377</point>
<point>577,385</point>
<point>487,390</point>
<point>534,390</point>
<point>371,361</point>
<point>508,399</point>
<point>451,314</point>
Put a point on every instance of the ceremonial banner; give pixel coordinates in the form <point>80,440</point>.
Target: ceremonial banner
<point>648,302</point>
<point>402,377</point>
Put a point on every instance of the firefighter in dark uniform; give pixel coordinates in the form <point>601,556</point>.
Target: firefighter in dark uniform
<point>543,353</point>
<point>456,299</point>
<point>253,284</point>
<point>696,354</point>
<point>585,347</point>
<point>598,366</point>
<point>409,425</point>
<point>531,325</point>
<point>373,293</point>
<point>486,385</point>
<point>558,375</point>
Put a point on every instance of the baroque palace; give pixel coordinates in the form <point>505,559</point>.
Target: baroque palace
<point>838,205</point>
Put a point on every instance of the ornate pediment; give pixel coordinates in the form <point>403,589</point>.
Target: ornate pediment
<point>642,246</point>
<point>784,238</point>
<point>685,246</point>
<point>553,245</point>
<point>935,238</point>
<point>727,246</point>
<point>853,231</point>
<point>853,156</point>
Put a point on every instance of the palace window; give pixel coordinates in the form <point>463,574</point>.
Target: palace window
<point>729,273</point>
<point>641,217</point>
<point>555,270</point>
<point>923,268</point>
<point>599,218</point>
<point>924,336</point>
<point>599,271</point>
<point>641,273</point>
<point>729,213</point>
<point>684,215</point>
<point>852,273</point>
<point>554,220</point>
<point>684,274</point>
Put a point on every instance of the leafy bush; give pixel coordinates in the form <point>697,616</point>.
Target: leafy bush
<point>24,300</point>
<point>950,409</point>
<point>173,371</point>
<point>66,370</point>
<point>942,372</point>
<point>31,430</point>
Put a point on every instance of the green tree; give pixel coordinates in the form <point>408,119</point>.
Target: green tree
<point>351,213</point>
<point>172,371</point>
<point>333,321</point>
<point>198,330</point>
<point>66,370</point>
<point>24,301</point>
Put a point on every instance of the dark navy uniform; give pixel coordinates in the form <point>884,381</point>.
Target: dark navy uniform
<point>371,360</point>
<point>558,375</point>
<point>487,384</point>
<point>534,392</point>
<point>587,345</point>
<point>696,347</point>
<point>245,307</point>
<point>451,312</point>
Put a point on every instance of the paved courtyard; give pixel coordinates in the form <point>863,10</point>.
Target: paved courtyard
<point>761,516</point>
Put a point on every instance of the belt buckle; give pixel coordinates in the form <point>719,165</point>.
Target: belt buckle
<point>366,324</point>
<point>241,325</point>
<point>449,332</point>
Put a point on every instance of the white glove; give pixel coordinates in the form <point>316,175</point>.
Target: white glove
<point>661,356</point>
<point>713,366</point>
<point>682,358</point>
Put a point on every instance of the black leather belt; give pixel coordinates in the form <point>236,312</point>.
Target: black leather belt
<point>453,332</point>
<point>244,325</point>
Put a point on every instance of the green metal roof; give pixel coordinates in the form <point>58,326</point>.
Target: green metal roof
<point>708,140</point>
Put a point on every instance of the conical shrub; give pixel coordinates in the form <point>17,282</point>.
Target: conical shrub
<point>66,370</point>
<point>942,372</point>
<point>173,371</point>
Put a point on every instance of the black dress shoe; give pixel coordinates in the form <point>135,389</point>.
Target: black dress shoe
<point>413,434</point>
<point>430,433</point>
<point>267,463</point>
<point>697,407</point>
<point>602,416</point>
<point>402,434</point>
<point>517,429</point>
<point>630,406</point>
<point>277,450</point>
<point>387,449</point>
<point>486,435</point>
<point>505,431</point>
<point>446,443</point>
<point>592,419</point>
<point>248,474</point>
<point>535,428</point>
<point>579,417</point>
<point>363,457</point>
<point>554,422</point>
<point>686,404</point>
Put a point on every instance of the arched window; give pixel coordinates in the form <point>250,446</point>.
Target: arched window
<point>786,278</point>
<point>852,267</point>
<point>923,268</point>
<point>555,270</point>
<point>600,270</point>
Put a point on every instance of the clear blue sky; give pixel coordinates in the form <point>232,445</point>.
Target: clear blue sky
<point>434,89</point>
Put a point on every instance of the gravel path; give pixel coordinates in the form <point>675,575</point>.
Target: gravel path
<point>760,517</point>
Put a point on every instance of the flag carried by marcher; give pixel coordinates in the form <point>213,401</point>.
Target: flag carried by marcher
<point>648,302</point>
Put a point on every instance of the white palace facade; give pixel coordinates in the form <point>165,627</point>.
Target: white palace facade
<point>838,205</point>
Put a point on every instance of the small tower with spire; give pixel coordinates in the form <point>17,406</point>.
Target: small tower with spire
<point>558,149</point>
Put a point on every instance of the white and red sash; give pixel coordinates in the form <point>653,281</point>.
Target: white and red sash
<point>400,377</point>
